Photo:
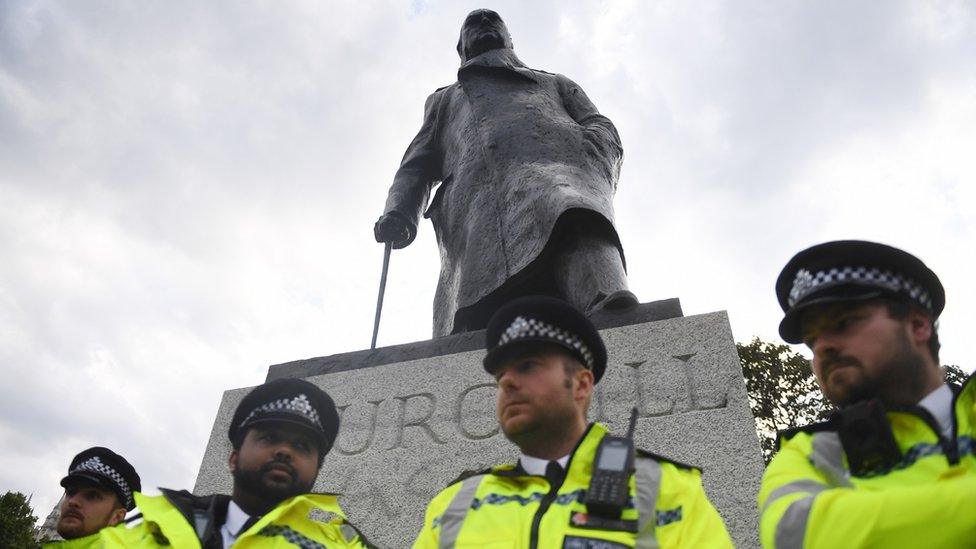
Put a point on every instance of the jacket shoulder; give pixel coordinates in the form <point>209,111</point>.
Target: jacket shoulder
<point>468,473</point>
<point>662,459</point>
<point>438,96</point>
<point>443,90</point>
<point>811,429</point>
<point>184,499</point>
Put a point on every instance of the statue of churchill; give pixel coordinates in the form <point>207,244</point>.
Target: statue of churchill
<point>525,169</point>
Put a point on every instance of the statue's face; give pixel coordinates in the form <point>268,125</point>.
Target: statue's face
<point>483,30</point>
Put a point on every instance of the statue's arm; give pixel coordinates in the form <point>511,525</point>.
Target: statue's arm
<point>601,132</point>
<point>419,168</point>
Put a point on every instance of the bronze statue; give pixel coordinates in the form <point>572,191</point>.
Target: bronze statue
<point>527,168</point>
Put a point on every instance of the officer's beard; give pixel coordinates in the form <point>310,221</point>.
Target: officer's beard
<point>253,482</point>
<point>901,380</point>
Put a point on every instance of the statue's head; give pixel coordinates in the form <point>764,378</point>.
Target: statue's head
<point>483,30</point>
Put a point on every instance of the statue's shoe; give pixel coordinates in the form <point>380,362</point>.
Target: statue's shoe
<point>618,301</point>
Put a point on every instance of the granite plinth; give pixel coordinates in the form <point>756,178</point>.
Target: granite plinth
<point>410,427</point>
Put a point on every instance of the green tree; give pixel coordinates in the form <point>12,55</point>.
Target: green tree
<point>782,390</point>
<point>17,522</point>
<point>954,374</point>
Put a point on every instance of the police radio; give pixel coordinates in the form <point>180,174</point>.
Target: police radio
<point>609,489</point>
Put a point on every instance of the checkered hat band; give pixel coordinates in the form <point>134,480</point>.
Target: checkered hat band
<point>522,328</point>
<point>806,283</point>
<point>95,465</point>
<point>298,405</point>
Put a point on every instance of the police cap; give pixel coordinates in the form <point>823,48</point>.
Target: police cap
<point>542,319</point>
<point>293,401</point>
<point>105,469</point>
<point>853,270</point>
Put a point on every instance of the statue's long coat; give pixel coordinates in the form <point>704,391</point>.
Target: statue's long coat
<point>513,149</point>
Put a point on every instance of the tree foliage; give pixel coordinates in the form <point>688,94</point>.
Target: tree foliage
<point>954,374</point>
<point>17,522</point>
<point>782,390</point>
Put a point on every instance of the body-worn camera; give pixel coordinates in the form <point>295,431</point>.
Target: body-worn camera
<point>867,438</point>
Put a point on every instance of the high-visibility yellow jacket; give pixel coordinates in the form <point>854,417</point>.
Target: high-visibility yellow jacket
<point>179,519</point>
<point>809,498</point>
<point>507,508</point>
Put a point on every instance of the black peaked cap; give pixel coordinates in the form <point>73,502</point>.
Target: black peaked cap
<point>853,270</point>
<point>293,401</point>
<point>106,469</point>
<point>543,319</point>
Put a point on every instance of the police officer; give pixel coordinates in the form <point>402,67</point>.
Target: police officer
<point>280,432</point>
<point>895,465</point>
<point>547,357</point>
<point>98,492</point>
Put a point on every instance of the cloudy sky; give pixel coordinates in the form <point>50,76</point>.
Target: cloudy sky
<point>187,189</point>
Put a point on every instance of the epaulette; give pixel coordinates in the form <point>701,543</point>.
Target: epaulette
<point>468,473</point>
<point>819,427</point>
<point>644,453</point>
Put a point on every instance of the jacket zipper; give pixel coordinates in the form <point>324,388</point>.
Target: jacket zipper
<point>553,493</point>
<point>537,519</point>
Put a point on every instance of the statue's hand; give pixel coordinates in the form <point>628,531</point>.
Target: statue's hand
<point>392,228</point>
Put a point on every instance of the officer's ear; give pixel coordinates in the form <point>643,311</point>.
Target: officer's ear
<point>585,383</point>
<point>232,461</point>
<point>920,328</point>
<point>118,515</point>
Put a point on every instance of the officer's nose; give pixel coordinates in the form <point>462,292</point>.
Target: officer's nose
<point>824,347</point>
<point>825,342</point>
<point>507,380</point>
<point>283,451</point>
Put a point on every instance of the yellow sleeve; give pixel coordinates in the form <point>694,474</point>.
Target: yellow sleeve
<point>800,508</point>
<point>429,536</point>
<point>139,535</point>
<point>700,524</point>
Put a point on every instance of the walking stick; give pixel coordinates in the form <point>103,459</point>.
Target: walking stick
<point>379,299</point>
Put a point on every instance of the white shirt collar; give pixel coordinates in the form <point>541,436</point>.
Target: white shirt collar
<point>236,517</point>
<point>536,466</point>
<point>939,404</point>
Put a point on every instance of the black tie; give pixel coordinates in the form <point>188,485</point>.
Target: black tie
<point>554,474</point>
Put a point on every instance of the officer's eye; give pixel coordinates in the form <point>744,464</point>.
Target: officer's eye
<point>846,321</point>
<point>303,445</point>
<point>93,495</point>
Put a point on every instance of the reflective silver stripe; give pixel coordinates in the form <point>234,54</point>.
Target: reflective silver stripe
<point>648,485</point>
<point>453,517</point>
<point>828,456</point>
<point>811,486</point>
<point>792,526</point>
<point>348,532</point>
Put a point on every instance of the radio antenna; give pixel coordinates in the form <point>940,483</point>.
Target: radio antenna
<point>633,423</point>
